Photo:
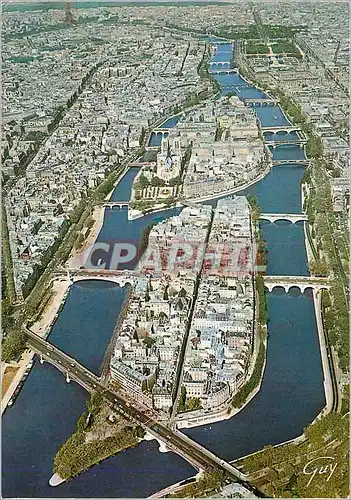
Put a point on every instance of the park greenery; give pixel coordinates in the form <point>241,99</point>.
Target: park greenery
<point>255,209</point>
<point>336,323</point>
<point>314,146</point>
<point>286,47</point>
<point>8,285</point>
<point>256,47</point>
<point>146,206</point>
<point>280,32</point>
<point>13,345</point>
<point>88,445</point>
<point>262,299</point>
<point>278,471</point>
<point>202,68</point>
<point>209,482</point>
<point>233,32</point>
<point>319,267</point>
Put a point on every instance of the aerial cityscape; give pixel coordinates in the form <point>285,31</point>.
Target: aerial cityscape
<point>175,249</point>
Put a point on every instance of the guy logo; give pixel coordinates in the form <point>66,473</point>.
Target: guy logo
<point>320,466</point>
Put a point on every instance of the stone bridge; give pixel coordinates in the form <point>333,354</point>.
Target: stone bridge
<point>120,277</point>
<point>223,71</point>
<point>297,142</point>
<point>113,204</point>
<point>162,131</point>
<point>300,282</point>
<point>220,63</point>
<point>281,128</point>
<point>119,280</point>
<point>289,217</point>
<point>276,163</point>
<point>260,102</point>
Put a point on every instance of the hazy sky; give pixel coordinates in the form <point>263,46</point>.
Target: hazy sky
<point>4,2</point>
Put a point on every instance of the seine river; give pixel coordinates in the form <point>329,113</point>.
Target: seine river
<point>46,410</point>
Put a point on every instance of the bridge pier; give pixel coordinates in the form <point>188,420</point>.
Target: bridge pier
<point>69,278</point>
<point>68,379</point>
<point>41,359</point>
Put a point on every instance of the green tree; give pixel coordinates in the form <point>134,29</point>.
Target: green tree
<point>157,182</point>
<point>149,342</point>
<point>143,181</point>
<point>182,399</point>
<point>319,267</point>
<point>13,345</point>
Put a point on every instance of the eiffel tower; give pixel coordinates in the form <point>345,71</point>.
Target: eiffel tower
<point>69,19</point>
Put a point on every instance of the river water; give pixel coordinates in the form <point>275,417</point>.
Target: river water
<point>46,410</point>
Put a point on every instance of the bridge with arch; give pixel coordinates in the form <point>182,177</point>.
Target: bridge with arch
<point>162,131</point>
<point>220,63</point>
<point>276,163</point>
<point>121,280</point>
<point>300,282</point>
<point>293,218</point>
<point>292,142</point>
<point>121,277</point>
<point>259,102</point>
<point>281,128</point>
<point>113,204</point>
<point>223,71</point>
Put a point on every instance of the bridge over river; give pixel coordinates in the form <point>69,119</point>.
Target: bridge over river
<point>287,129</point>
<point>292,142</point>
<point>289,217</point>
<point>174,440</point>
<point>300,282</point>
<point>276,163</point>
<point>113,204</point>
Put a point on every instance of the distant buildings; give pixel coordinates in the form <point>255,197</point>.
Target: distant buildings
<point>319,82</point>
<point>110,112</point>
